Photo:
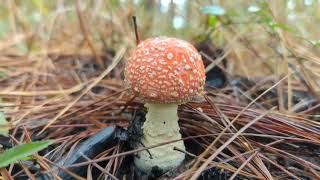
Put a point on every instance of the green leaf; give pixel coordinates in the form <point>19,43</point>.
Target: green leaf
<point>264,17</point>
<point>213,21</point>
<point>28,158</point>
<point>2,74</point>
<point>4,125</point>
<point>213,10</point>
<point>275,25</point>
<point>315,43</point>
<point>21,151</point>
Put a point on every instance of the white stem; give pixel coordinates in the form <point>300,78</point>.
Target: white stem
<point>161,125</point>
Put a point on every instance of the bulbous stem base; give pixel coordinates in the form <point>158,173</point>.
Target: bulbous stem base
<point>161,125</point>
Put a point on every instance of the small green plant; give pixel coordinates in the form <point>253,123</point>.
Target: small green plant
<point>22,151</point>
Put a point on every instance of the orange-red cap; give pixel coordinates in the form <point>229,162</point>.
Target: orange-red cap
<point>165,70</point>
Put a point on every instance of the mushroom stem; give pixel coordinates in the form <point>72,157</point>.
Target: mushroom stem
<point>161,125</point>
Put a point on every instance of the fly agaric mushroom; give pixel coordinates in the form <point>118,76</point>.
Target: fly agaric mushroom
<point>164,72</point>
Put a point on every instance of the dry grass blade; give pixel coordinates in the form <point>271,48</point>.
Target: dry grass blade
<point>238,115</point>
<point>42,93</point>
<point>108,70</point>
<point>243,165</point>
<point>280,167</point>
<point>86,35</point>
<point>101,168</point>
<point>5,175</point>
<point>214,155</point>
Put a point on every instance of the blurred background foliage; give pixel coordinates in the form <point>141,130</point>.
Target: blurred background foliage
<point>258,37</point>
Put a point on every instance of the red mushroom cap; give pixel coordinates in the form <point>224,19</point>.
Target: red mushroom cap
<point>165,70</point>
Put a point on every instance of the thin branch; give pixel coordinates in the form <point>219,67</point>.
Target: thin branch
<point>134,19</point>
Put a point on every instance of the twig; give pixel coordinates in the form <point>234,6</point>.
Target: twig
<point>185,152</point>
<point>134,19</point>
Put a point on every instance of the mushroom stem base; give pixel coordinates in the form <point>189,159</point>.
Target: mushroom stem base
<point>161,126</point>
